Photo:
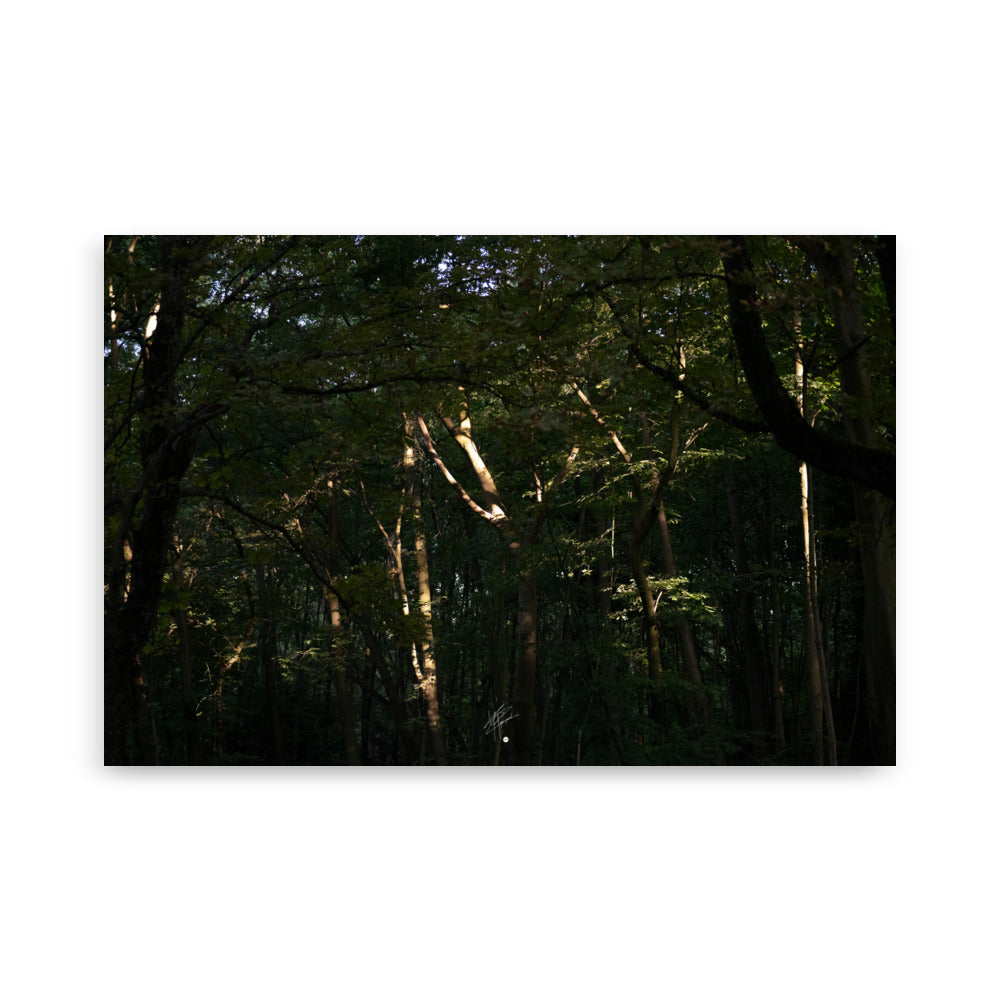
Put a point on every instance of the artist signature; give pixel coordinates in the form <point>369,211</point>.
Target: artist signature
<point>500,717</point>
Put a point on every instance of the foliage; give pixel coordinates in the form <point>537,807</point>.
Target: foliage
<point>599,381</point>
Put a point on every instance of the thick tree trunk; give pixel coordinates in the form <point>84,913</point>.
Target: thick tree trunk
<point>124,692</point>
<point>875,513</point>
<point>166,447</point>
<point>855,461</point>
<point>878,569</point>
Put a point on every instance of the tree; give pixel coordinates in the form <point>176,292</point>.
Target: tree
<point>835,261</point>
<point>166,434</point>
<point>378,500</point>
<point>859,462</point>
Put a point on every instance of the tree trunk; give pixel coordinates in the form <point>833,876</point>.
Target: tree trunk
<point>599,605</point>
<point>340,679</point>
<point>756,679</point>
<point>814,675</point>
<point>855,461</point>
<point>398,709</point>
<point>885,253</point>
<point>828,723</point>
<point>192,744</point>
<point>641,524</point>
<point>428,678</point>
<point>777,691</point>
<point>520,545</point>
<point>166,447</point>
<point>875,513</point>
<point>268,639</point>
<point>343,689</point>
<point>522,726</point>
<point>689,654</point>
<point>642,521</point>
<point>227,665</point>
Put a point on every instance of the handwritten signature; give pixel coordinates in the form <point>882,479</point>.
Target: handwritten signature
<point>500,717</point>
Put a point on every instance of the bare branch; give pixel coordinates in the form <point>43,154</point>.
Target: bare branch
<point>428,442</point>
<point>463,438</point>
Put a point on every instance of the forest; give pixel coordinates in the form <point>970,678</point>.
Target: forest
<point>499,500</point>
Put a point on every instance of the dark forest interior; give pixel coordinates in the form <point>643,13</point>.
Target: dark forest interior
<point>493,500</point>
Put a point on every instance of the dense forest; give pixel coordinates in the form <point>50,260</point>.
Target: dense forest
<point>491,500</point>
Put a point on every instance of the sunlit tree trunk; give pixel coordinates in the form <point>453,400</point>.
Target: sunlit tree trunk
<point>113,311</point>
<point>520,545</point>
<point>814,674</point>
<point>428,676</point>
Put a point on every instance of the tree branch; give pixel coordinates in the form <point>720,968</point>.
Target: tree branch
<point>428,442</point>
<point>673,379</point>
<point>869,467</point>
